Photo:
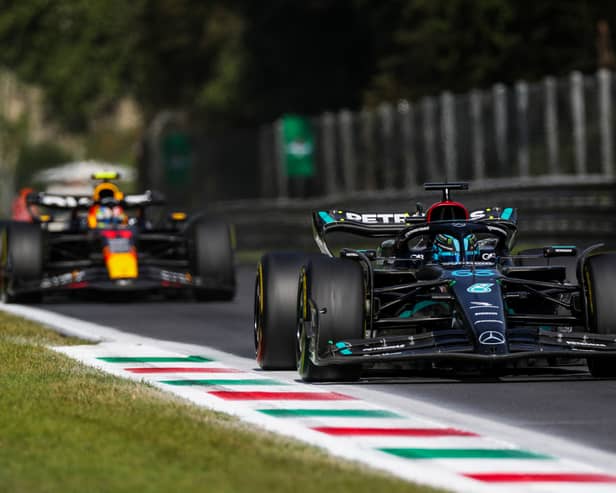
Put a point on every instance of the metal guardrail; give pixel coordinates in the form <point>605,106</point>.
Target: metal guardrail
<point>546,148</point>
<point>572,209</point>
<point>557,126</point>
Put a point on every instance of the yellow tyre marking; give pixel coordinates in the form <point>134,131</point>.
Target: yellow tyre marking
<point>304,295</point>
<point>590,303</point>
<point>260,276</point>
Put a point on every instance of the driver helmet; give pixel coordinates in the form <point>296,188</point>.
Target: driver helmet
<point>107,191</point>
<point>108,215</point>
<point>106,209</point>
<point>446,248</point>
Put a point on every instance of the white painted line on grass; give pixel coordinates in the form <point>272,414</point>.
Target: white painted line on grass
<point>445,472</point>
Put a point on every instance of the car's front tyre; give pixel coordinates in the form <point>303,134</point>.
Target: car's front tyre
<point>335,288</point>
<point>212,260</point>
<point>274,310</point>
<point>22,261</point>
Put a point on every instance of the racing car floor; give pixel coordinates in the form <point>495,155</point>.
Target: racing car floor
<point>564,402</point>
<point>227,326</point>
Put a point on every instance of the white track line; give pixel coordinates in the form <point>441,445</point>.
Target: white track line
<point>440,473</point>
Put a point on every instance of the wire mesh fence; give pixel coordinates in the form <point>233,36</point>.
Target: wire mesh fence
<point>554,127</point>
<point>551,127</point>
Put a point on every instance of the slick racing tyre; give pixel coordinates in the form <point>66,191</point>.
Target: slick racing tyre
<point>212,260</point>
<point>599,272</point>
<point>23,261</point>
<point>275,310</point>
<point>336,288</point>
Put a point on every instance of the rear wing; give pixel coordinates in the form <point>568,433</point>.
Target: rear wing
<point>489,214</point>
<point>56,201</point>
<point>383,224</point>
<point>77,202</point>
<point>366,224</point>
<point>149,197</point>
<point>391,224</point>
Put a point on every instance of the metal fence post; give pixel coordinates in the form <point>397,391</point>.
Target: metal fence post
<point>499,94</point>
<point>4,96</point>
<point>578,111</point>
<point>479,163</point>
<point>448,133</point>
<point>386,117</point>
<point>347,148</point>
<point>267,160</point>
<point>521,104</point>
<point>429,136</point>
<point>367,139</point>
<point>604,77</point>
<point>282,182</point>
<point>406,114</point>
<point>154,133</point>
<point>328,138</point>
<point>9,146</point>
<point>551,125</point>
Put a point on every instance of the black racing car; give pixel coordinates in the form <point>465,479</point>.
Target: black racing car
<point>108,243</point>
<point>441,290</point>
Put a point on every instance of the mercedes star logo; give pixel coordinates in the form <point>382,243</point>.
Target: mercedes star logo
<point>490,337</point>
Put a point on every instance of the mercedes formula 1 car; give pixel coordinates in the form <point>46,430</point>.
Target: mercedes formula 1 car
<point>107,242</point>
<point>440,290</point>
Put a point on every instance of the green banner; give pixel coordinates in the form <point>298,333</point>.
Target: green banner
<point>298,146</point>
<point>177,158</point>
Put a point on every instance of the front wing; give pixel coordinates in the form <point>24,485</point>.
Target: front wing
<point>97,279</point>
<point>454,344</point>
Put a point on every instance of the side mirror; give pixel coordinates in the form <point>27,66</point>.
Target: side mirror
<point>560,251</point>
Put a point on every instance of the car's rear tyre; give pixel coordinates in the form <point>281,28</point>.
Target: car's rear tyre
<point>599,272</point>
<point>212,260</point>
<point>336,288</point>
<point>22,261</point>
<point>275,309</point>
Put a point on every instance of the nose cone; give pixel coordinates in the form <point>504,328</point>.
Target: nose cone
<point>482,303</point>
<point>122,265</point>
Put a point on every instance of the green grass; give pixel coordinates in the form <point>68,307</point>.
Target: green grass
<point>66,427</point>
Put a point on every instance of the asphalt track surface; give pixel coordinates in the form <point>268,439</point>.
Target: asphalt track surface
<point>566,403</point>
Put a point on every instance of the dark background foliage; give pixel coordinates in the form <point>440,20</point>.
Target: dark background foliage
<point>241,62</point>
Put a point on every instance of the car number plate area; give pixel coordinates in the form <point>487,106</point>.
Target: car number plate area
<point>119,245</point>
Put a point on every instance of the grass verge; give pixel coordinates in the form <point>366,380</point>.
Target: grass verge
<point>66,427</point>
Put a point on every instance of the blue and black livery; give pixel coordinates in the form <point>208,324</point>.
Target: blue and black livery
<point>444,289</point>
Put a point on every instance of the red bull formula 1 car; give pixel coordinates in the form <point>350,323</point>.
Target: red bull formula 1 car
<point>107,242</point>
<point>441,290</point>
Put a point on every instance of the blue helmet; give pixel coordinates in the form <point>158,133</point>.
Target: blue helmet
<point>446,248</point>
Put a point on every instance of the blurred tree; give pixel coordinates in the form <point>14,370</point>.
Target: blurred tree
<point>305,57</point>
<point>179,50</point>
<point>459,44</point>
<point>78,50</point>
<point>442,44</point>
<point>237,62</point>
<point>551,38</point>
<point>36,157</point>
